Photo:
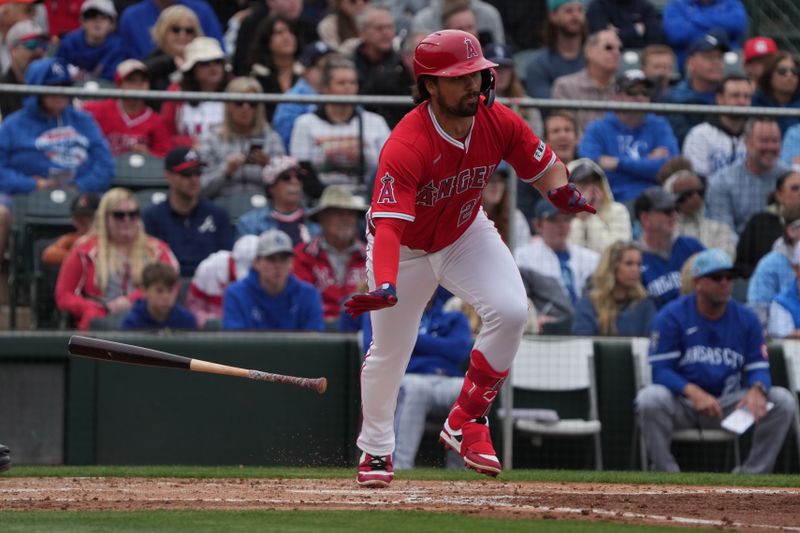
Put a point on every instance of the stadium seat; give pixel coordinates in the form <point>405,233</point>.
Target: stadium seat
<point>42,214</point>
<point>554,373</point>
<point>642,377</point>
<point>136,171</point>
<point>238,204</point>
<point>149,197</point>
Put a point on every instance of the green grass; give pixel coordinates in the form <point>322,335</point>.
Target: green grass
<point>291,521</point>
<point>683,478</point>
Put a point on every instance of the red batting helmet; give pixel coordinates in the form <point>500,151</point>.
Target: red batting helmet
<point>449,53</point>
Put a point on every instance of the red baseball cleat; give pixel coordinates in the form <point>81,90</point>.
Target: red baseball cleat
<point>474,444</point>
<point>375,471</point>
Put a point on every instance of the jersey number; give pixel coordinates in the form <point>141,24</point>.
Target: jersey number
<point>466,212</point>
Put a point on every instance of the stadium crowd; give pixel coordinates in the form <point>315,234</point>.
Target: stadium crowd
<point>665,187</point>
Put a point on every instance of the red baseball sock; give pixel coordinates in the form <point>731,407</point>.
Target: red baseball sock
<point>481,386</point>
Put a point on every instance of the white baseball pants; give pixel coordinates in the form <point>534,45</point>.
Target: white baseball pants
<point>478,268</point>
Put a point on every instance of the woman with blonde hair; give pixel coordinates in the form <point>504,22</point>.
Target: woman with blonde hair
<point>237,150</point>
<point>617,303</point>
<point>101,275</point>
<point>175,28</point>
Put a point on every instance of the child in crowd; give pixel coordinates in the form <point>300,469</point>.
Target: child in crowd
<point>158,309</point>
<point>129,124</point>
<point>93,49</point>
<point>82,211</point>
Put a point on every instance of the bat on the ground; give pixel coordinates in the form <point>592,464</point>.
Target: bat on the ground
<point>137,355</point>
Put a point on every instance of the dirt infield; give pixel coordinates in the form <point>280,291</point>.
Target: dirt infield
<point>725,508</point>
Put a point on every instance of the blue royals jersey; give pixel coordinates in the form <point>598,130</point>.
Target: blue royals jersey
<point>688,348</point>
<point>662,277</point>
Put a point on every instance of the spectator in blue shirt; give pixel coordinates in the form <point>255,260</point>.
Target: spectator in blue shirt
<point>705,69</point>
<point>271,297</point>
<point>94,48</point>
<point>158,308</point>
<point>136,21</point>
<point>191,225</point>
<point>686,20</point>
<point>708,358</point>
<point>663,254</point>
<point>630,146</point>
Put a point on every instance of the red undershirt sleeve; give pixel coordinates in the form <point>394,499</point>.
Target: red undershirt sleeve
<point>386,249</point>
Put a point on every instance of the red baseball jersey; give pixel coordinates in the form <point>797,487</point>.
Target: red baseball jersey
<point>123,132</point>
<point>435,182</point>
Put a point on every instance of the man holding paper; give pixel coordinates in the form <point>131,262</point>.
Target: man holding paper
<point>709,358</point>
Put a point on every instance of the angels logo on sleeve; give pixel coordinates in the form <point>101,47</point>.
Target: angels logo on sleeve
<point>386,194</point>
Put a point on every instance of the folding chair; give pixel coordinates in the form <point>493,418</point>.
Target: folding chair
<point>643,377</point>
<point>791,353</point>
<point>551,368</point>
<point>137,171</point>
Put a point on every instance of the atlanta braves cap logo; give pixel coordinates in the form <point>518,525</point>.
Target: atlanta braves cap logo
<point>471,51</point>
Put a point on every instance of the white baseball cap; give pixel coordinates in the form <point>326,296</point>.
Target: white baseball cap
<point>106,7</point>
<point>201,49</point>
<point>244,252</point>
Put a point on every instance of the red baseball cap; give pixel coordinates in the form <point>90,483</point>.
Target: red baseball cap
<point>759,47</point>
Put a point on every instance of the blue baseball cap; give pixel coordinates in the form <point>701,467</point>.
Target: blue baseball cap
<point>499,53</point>
<point>713,39</point>
<point>544,210</point>
<point>711,261</point>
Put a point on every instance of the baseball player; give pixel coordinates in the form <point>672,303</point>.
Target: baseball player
<point>426,228</point>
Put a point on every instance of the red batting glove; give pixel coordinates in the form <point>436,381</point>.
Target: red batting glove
<point>569,200</point>
<point>386,296</point>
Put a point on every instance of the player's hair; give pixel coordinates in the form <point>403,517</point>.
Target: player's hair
<point>604,281</point>
<point>244,84</point>
<point>168,18</point>
<point>159,272</point>
<point>107,258</point>
<point>656,50</point>
<point>419,92</point>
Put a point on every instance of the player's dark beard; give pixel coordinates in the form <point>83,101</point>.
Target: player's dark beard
<point>464,108</point>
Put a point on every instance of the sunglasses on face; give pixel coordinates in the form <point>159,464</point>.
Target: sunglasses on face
<point>668,211</point>
<point>34,44</point>
<point>719,276</point>
<point>122,215</point>
<point>93,14</point>
<point>795,187</point>
<point>278,258</point>
<point>688,193</point>
<point>288,176</point>
<point>195,173</point>
<point>188,30</point>
<point>785,71</point>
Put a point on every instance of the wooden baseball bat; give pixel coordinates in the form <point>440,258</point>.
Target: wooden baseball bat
<point>119,352</point>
